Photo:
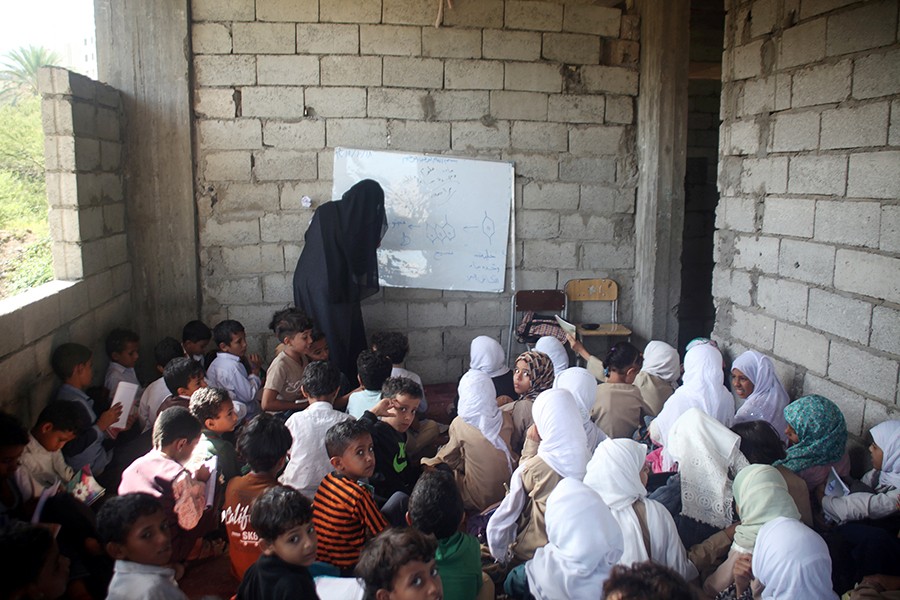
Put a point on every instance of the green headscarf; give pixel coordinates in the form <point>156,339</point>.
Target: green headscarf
<point>761,495</point>
<point>822,431</point>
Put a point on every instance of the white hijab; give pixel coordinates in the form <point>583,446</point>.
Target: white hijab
<point>486,355</point>
<point>792,562</point>
<point>887,436</point>
<point>584,544</point>
<point>769,397</point>
<point>661,360</point>
<point>583,386</point>
<point>478,407</point>
<point>702,389</point>
<point>553,348</point>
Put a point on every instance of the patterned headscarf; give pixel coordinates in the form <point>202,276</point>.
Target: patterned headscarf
<point>822,431</point>
<point>541,368</point>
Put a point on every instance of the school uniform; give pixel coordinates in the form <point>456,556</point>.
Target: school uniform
<point>583,387</point>
<point>228,372</point>
<point>117,373</point>
<point>46,467</point>
<point>136,581</point>
<point>309,462</point>
<point>148,407</point>
<point>87,447</point>
<point>619,409</point>
<point>284,376</point>
<point>361,401</point>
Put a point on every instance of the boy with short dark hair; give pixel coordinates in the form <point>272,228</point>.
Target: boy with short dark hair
<point>215,411</point>
<point>309,462</point>
<point>395,345</point>
<point>282,517</point>
<point>135,531</point>
<point>156,393</point>
<point>373,369</point>
<point>56,426</point>
<point>195,338</point>
<point>293,329</point>
<point>183,377</point>
<point>122,348</point>
<point>400,563</point>
<point>228,371</point>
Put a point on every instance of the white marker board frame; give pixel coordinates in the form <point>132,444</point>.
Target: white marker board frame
<point>449,218</point>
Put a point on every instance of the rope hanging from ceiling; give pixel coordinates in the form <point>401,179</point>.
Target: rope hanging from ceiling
<point>440,13</point>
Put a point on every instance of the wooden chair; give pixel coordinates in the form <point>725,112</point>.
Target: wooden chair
<point>597,290</point>
<point>550,302</point>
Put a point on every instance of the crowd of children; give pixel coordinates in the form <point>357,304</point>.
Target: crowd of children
<point>553,481</point>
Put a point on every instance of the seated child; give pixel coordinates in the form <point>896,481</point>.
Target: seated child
<point>400,563</point>
<point>619,409</point>
<point>73,364</point>
<point>436,508</point>
<point>344,512</point>
<point>32,564</point>
<point>388,422</point>
<point>55,427</point>
<point>122,346</point>
<point>318,351</point>
<point>533,374</point>
<point>195,338</point>
<point>395,346</point>
<point>645,581</point>
<point>135,530</point>
<point>215,411</point>
<point>282,389</point>
<point>309,463</point>
<point>373,369</point>
<point>156,393</point>
<point>263,443</point>
<point>228,371</point>
<point>161,474</point>
<point>282,517</point>
<point>18,489</point>
<point>183,377</point>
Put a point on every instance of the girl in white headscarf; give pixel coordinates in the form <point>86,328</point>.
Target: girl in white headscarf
<point>583,387</point>
<point>553,348</point>
<point>659,374</point>
<point>479,448</point>
<point>517,528</point>
<point>702,389</point>
<point>792,562</point>
<point>617,473</point>
<point>584,544</point>
<point>754,380</point>
<point>486,355</point>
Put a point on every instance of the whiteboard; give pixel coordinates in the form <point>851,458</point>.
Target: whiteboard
<point>448,218</point>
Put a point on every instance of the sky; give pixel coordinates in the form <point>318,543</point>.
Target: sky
<point>53,24</point>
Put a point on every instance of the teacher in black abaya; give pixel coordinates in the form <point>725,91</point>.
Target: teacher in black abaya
<point>338,268</point>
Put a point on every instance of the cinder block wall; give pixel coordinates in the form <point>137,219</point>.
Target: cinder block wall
<point>280,83</point>
<point>83,127</point>
<point>808,241</point>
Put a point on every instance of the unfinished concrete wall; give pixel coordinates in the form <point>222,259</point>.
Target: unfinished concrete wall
<point>808,247</point>
<point>83,129</point>
<point>280,83</point>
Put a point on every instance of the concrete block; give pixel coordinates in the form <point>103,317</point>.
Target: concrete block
<point>216,10</point>
<point>550,254</point>
<point>846,317</point>
<point>317,38</point>
<point>878,412</point>
<point>783,86</point>
<point>806,261</point>
<point>621,53</point>
<point>789,216</point>
<point>302,135</point>
<point>822,175</point>
<point>894,135</point>
<point>886,329</point>
<point>619,109</point>
<point>408,12</point>
<point>214,103</point>
<point>264,38</point>
<point>210,38</point>
<point>537,225</point>
<point>534,165</point>
<point>876,75</point>
<point>108,124</point>
<point>356,133</point>
<point>606,256</point>
<point>390,40</point>
<point>326,164</point>
<point>413,72</point>
<point>245,290</point>
<point>754,329</point>
<point>237,198</point>
<point>87,154</point>
<point>336,102</point>
<point>851,404</point>
<point>783,300</point>
<point>453,43</point>
<point>351,70</point>
<point>874,175</point>
<point>283,227</point>
<point>448,314</point>
<point>472,75</point>
<point>756,252</point>
<point>485,313</point>
<point>291,198</point>
<point>869,274</point>
<point>596,140</point>
<point>588,170</point>
<point>350,11</point>
<point>536,16</point>
<point>287,10</point>
<point>550,196</point>
<point>764,17</point>
<point>741,137</point>
<point>275,102</point>
<point>571,48</point>
<point>287,70</point>
<point>850,223</point>
<point>90,223</point>
<point>543,137</point>
<point>110,156</point>
<point>613,80</point>
<point>889,240</point>
<point>243,260</point>
<point>821,84</point>
<point>460,106</point>
<point>809,9</point>
<point>848,363</point>
<point>219,71</point>
<point>418,136</point>
<point>764,175</point>
<point>524,106</point>
<point>114,218</point>
<point>512,45</point>
<point>535,280</point>
<point>436,370</point>
<point>581,226</point>
<point>84,119</point>
<point>802,44</point>
<point>747,60</point>
<point>759,96</point>
<point>281,165</point>
<point>869,26</point>
<point>571,108</point>
<point>853,127</point>
<point>532,77</point>
<point>737,214</point>
<point>606,200</point>
<point>277,288</point>
<point>595,20</point>
<point>475,135</point>
<point>385,315</point>
<point>39,316</point>
<point>801,346</point>
<point>796,131</point>
<point>479,14</point>
<point>239,134</point>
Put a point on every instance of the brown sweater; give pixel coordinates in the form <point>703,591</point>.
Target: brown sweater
<point>539,480</point>
<point>619,409</point>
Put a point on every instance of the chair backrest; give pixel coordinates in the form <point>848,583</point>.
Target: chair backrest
<point>594,290</point>
<point>535,300</point>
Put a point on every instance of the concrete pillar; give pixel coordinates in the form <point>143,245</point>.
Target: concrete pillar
<point>662,146</point>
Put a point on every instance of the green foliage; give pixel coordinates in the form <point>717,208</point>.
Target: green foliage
<point>19,76</point>
<point>31,267</point>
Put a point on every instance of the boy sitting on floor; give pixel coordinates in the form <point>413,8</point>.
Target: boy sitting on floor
<point>122,348</point>
<point>156,393</point>
<point>195,338</point>
<point>215,410</point>
<point>55,427</point>
<point>227,370</point>
<point>400,563</point>
<point>183,377</point>
<point>373,369</point>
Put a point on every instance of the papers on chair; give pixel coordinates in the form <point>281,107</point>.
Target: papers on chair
<point>125,395</point>
<point>569,328</point>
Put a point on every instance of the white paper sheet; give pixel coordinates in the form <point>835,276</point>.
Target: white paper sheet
<point>125,395</point>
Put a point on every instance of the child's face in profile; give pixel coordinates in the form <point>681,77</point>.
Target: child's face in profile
<point>318,350</point>
<point>83,374</point>
<point>128,357</point>
<point>52,439</point>
<point>194,384</point>
<point>522,377</point>
<point>877,456</point>
<point>148,541</point>
<point>9,460</point>
<point>225,421</point>
<point>358,460</point>
<point>296,546</point>
<point>299,342</point>
<point>404,408</point>
<point>193,348</point>
<point>416,580</point>
<point>237,345</point>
